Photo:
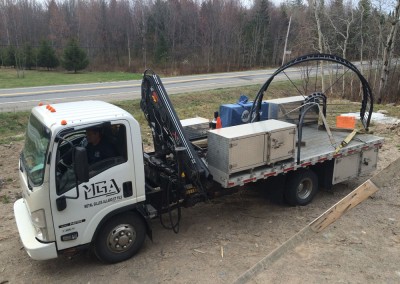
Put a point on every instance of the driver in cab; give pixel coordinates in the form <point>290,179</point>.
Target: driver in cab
<point>97,148</point>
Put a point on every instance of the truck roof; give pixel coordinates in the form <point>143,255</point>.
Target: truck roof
<point>81,112</point>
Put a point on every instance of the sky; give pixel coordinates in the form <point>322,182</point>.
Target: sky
<point>386,5</point>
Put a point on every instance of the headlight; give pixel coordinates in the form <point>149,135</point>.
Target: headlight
<point>39,222</point>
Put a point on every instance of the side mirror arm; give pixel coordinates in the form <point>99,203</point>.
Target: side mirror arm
<point>81,167</point>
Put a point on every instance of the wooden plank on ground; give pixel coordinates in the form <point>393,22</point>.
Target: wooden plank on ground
<point>357,196</point>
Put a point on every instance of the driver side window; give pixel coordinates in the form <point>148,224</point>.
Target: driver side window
<point>105,147</point>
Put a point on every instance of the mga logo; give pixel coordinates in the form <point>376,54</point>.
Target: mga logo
<point>101,188</point>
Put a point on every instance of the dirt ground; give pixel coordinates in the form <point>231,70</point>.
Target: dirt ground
<point>361,247</point>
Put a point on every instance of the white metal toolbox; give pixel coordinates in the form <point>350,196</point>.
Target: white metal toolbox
<point>242,147</point>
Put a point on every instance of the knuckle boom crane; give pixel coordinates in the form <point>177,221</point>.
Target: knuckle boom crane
<point>175,164</point>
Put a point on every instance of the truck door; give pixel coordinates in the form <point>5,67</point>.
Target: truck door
<point>111,181</point>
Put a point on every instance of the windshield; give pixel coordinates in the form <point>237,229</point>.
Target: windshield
<point>33,155</point>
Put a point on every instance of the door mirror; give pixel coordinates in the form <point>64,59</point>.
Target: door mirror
<point>81,164</point>
<point>61,203</point>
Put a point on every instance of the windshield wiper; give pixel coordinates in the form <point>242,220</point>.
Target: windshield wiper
<point>23,169</point>
<point>21,164</point>
<point>29,185</point>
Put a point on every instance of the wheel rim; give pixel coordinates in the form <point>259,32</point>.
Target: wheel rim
<point>305,188</point>
<point>121,238</point>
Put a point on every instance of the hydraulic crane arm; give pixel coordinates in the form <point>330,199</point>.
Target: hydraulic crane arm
<point>168,134</point>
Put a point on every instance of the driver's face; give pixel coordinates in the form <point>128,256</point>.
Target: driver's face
<point>92,136</point>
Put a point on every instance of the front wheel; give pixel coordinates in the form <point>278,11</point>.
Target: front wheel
<point>301,187</point>
<point>120,238</point>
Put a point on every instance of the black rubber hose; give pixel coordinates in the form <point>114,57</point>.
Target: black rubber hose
<point>174,227</point>
<point>300,130</point>
<point>367,93</point>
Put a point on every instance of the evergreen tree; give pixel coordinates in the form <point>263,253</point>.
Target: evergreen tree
<point>9,58</point>
<point>47,56</point>
<point>161,52</point>
<point>74,57</point>
<point>29,57</point>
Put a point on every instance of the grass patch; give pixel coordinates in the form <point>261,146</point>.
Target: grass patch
<point>35,78</point>
<point>5,199</point>
<point>202,103</point>
<point>12,126</point>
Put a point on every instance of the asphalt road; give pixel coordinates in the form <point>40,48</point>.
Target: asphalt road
<point>17,99</point>
<point>25,98</point>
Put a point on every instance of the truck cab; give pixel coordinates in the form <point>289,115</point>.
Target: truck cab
<point>59,211</point>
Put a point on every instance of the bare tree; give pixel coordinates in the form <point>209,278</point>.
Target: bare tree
<point>4,16</point>
<point>341,20</point>
<point>317,6</point>
<point>388,51</point>
<point>58,28</point>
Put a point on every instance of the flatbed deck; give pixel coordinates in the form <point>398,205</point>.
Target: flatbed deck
<point>317,142</point>
<point>316,148</point>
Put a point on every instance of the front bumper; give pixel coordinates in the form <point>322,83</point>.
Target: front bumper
<point>34,248</point>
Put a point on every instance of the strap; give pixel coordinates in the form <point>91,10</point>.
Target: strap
<point>346,141</point>
<point>328,130</point>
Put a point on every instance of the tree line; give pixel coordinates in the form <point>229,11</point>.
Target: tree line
<point>192,36</point>
<point>73,57</point>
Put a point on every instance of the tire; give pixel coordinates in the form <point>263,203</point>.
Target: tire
<point>120,238</point>
<point>301,187</point>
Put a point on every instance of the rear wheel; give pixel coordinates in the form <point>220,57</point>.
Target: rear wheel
<point>301,187</point>
<point>120,238</point>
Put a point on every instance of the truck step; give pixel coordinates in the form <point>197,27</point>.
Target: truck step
<point>152,212</point>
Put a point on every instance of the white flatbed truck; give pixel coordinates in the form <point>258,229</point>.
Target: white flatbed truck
<point>107,206</point>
